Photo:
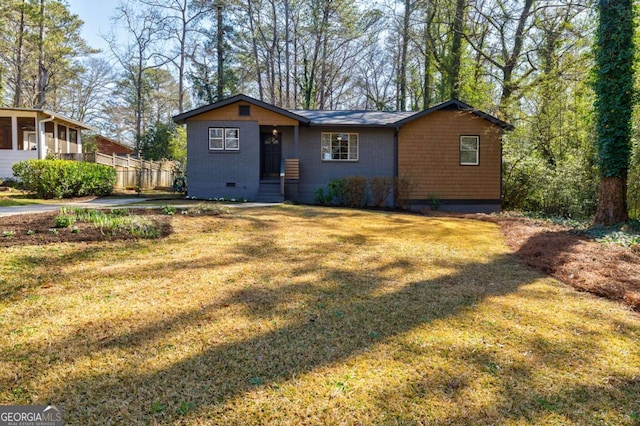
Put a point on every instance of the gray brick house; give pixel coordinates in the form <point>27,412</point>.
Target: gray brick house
<point>245,148</point>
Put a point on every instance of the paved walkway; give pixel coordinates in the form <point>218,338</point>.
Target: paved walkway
<point>97,203</point>
<point>101,203</point>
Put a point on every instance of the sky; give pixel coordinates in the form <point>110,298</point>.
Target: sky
<point>96,15</point>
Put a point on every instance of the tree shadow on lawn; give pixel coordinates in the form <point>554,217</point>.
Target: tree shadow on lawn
<point>345,315</point>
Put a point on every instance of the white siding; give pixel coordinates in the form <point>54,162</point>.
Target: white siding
<point>9,157</point>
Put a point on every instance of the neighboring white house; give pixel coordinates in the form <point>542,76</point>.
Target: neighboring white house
<point>33,134</point>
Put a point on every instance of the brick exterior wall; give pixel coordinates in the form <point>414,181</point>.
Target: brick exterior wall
<point>375,158</point>
<point>209,172</point>
<point>429,156</point>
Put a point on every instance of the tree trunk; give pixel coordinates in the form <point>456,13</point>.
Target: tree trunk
<point>456,49</point>
<point>220,53</point>
<point>402,78</point>
<point>612,204</point>
<point>17,100</point>
<point>43,74</point>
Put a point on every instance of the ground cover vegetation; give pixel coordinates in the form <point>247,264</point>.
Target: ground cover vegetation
<point>311,315</point>
<point>531,63</point>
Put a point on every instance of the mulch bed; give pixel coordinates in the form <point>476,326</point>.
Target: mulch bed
<point>607,270</point>
<point>39,229</point>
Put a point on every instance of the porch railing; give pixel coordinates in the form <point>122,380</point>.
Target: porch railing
<point>289,170</point>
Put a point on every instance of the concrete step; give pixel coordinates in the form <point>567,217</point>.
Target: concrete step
<point>269,192</point>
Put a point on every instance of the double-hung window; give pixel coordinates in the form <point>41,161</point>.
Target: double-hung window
<point>224,139</point>
<point>469,150</point>
<point>339,146</point>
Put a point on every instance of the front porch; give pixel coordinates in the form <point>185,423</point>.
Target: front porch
<point>27,134</point>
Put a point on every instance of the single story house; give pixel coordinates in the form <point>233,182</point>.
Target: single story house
<point>245,148</point>
<point>33,134</point>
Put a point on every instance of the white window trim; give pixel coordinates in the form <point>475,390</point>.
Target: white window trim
<point>323,154</point>
<point>224,139</point>
<point>477,150</point>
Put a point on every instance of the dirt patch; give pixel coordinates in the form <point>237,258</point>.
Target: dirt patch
<point>39,229</point>
<point>608,270</point>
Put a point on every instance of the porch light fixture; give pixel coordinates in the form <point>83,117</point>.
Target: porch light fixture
<point>275,131</point>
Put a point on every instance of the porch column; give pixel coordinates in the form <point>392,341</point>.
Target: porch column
<point>66,136</point>
<point>79,140</point>
<point>14,133</point>
<point>55,137</point>
<point>42,141</point>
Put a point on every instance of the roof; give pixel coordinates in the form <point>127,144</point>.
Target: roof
<point>68,121</point>
<point>180,118</point>
<point>359,118</point>
<point>456,105</point>
<point>353,117</point>
<point>113,141</point>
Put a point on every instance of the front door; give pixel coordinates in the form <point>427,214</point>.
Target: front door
<point>271,155</point>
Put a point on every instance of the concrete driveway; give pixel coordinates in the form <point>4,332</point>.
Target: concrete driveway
<point>96,203</point>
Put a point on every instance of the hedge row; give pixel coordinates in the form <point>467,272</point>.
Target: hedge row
<point>64,179</point>
<point>358,191</point>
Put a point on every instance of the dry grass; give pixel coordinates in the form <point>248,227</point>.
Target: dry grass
<point>301,315</point>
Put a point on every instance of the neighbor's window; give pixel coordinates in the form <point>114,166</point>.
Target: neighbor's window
<point>224,139</point>
<point>339,146</point>
<point>469,150</point>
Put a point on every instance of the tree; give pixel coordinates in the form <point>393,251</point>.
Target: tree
<point>142,54</point>
<point>614,54</point>
<point>83,97</point>
<point>39,46</point>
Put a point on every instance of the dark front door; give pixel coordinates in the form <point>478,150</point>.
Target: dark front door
<point>271,154</point>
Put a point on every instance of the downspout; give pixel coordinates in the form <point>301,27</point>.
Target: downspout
<point>41,137</point>
<point>395,164</point>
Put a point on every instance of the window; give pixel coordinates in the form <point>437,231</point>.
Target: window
<point>339,146</point>
<point>62,132</point>
<point>224,139</point>
<point>6,141</point>
<point>244,110</point>
<point>469,150</point>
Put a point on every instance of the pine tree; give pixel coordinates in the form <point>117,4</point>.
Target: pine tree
<point>614,103</point>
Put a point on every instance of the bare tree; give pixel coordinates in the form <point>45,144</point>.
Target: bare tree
<point>140,55</point>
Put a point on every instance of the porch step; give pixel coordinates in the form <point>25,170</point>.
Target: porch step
<point>269,192</point>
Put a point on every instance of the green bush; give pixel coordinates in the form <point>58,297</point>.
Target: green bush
<point>355,191</point>
<point>64,220</point>
<point>336,191</point>
<point>64,179</point>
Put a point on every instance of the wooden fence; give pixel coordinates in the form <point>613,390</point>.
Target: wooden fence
<point>132,172</point>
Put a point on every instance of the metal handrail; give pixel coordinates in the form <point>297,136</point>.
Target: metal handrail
<point>282,173</point>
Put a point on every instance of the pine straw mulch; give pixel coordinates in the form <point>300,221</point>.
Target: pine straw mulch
<point>604,269</point>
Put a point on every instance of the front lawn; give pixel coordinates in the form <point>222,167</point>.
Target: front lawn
<point>302,315</point>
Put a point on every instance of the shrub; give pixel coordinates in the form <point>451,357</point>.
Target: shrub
<point>64,220</point>
<point>380,190</point>
<point>336,191</point>
<point>320,197</point>
<point>169,210</point>
<point>64,179</point>
<point>402,191</point>
<point>355,191</point>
